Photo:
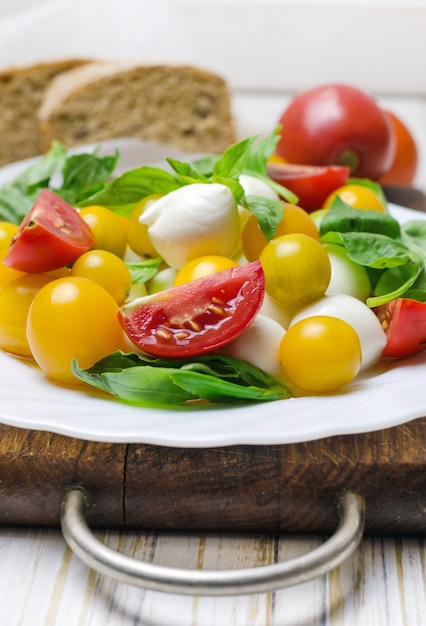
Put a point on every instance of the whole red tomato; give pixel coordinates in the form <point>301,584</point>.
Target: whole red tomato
<point>337,125</point>
<point>404,166</point>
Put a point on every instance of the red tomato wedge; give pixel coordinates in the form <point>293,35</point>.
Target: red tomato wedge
<point>51,235</point>
<point>404,321</point>
<point>196,317</point>
<point>312,184</point>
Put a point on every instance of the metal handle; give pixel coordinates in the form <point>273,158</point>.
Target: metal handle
<point>212,582</point>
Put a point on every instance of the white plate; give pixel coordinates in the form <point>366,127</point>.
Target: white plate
<point>391,394</point>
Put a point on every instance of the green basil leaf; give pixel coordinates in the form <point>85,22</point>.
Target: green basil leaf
<point>85,174</point>
<point>342,218</point>
<point>232,163</point>
<point>235,186</point>
<point>121,194</point>
<point>218,391</point>
<point>186,172</point>
<point>373,250</point>
<point>414,235</point>
<point>38,175</point>
<point>394,283</point>
<point>149,381</point>
<point>269,213</point>
<point>14,205</point>
<point>148,386</point>
<point>141,271</point>
<point>257,158</point>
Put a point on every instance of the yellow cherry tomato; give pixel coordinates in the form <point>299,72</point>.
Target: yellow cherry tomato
<point>297,269</point>
<point>295,220</point>
<point>358,197</point>
<point>106,269</point>
<point>276,158</point>
<point>137,233</point>
<point>15,300</point>
<point>201,267</point>
<point>7,273</point>
<point>320,354</point>
<point>7,232</point>
<point>108,229</point>
<point>72,317</point>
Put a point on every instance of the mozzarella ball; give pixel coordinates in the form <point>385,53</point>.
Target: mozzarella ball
<point>255,187</point>
<point>276,310</point>
<point>362,319</point>
<point>347,277</point>
<point>258,345</point>
<point>193,221</point>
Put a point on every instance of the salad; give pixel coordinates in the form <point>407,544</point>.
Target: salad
<point>202,282</point>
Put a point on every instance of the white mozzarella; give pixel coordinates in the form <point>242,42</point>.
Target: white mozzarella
<point>192,221</point>
<point>357,314</point>
<point>259,344</point>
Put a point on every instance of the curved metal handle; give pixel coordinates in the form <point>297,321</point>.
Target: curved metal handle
<point>212,582</point>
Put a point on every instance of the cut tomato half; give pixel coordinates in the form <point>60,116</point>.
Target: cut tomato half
<point>196,317</point>
<point>51,235</point>
<point>404,321</point>
<point>312,184</point>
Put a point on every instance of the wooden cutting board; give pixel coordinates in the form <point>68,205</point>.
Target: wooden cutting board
<point>278,488</point>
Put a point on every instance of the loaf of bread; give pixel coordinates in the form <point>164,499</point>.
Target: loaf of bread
<point>21,92</point>
<point>183,106</point>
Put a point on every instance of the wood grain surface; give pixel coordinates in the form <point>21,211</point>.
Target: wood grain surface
<point>280,488</point>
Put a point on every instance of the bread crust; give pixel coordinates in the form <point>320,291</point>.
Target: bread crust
<point>181,105</point>
<point>22,90</point>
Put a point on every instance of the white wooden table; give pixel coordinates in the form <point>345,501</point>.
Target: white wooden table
<point>42,583</point>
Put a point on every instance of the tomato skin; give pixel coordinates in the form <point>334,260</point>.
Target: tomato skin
<point>201,267</point>
<point>51,235</point>
<point>72,317</point>
<point>320,354</point>
<point>15,301</point>
<point>108,270</point>
<point>312,184</point>
<point>358,197</point>
<point>404,321</point>
<point>295,220</point>
<point>404,166</point>
<point>196,317</point>
<point>108,230</point>
<point>337,124</point>
<point>297,269</point>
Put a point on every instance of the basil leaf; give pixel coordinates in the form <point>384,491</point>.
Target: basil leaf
<point>373,250</point>
<point>85,174</point>
<point>39,174</point>
<point>14,205</point>
<point>269,213</point>
<point>414,235</point>
<point>186,173</point>
<point>142,271</point>
<point>257,158</point>
<point>394,283</point>
<point>232,163</point>
<point>147,381</point>
<point>219,391</point>
<point>121,194</point>
<point>150,386</point>
<point>342,218</point>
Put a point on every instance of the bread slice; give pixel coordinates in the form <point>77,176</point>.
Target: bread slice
<point>183,106</point>
<point>21,92</point>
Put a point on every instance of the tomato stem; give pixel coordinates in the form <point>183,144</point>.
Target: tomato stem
<point>350,159</point>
